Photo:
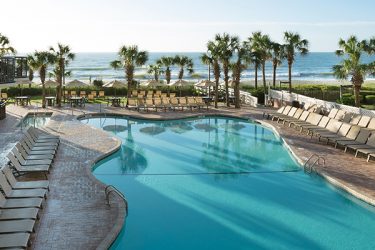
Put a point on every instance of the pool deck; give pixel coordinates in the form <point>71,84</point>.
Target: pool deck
<point>75,214</point>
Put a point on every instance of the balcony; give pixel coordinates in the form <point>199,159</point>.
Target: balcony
<point>12,68</point>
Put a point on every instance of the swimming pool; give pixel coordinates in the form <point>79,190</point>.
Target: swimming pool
<point>224,183</point>
<point>36,120</point>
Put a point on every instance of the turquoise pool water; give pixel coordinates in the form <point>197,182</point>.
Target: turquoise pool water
<point>38,120</point>
<point>223,183</point>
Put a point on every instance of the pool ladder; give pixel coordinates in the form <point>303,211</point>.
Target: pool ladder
<point>109,189</point>
<point>310,164</point>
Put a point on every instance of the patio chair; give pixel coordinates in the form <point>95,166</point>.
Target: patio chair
<point>142,93</point>
<point>132,103</point>
<point>51,144</point>
<point>163,95</point>
<point>183,102</point>
<point>364,121</point>
<point>30,213</point>
<point>27,162</point>
<point>284,112</point>
<point>25,169</point>
<point>90,98</point>
<point>332,113</point>
<point>342,132</point>
<point>82,93</point>
<point>191,102</point>
<point>355,119</point>
<point>172,95</point>
<point>93,93</point>
<point>150,103</point>
<point>19,193</point>
<point>333,126</point>
<point>73,93</point>
<point>44,184</point>
<point>200,103</point>
<point>15,240</point>
<point>52,141</point>
<point>16,226</point>
<point>27,145</point>
<point>295,117</point>
<point>368,147</point>
<point>340,115</point>
<point>166,102</point>
<point>371,124</point>
<point>322,124</point>
<point>290,114</point>
<point>312,119</point>
<point>141,103</point>
<point>279,111</point>
<point>174,102</point>
<point>26,156</point>
<point>101,94</point>
<point>351,135</point>
<point>305,114</point>
<point>20,202</point>
<point>150,94</point>
<point>359,140</point>
<point>134,93</point>
<point>158,104</point>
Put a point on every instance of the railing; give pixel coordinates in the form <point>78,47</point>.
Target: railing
<point>109,189</point>
<point>285,96</point>
<point>310,164</point>
<point>246,97</point>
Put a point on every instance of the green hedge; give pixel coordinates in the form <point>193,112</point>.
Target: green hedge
<point>370,99</point>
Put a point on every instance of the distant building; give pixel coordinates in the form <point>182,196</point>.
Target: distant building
<point>12,67</point>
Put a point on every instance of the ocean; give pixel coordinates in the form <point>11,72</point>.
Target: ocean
<point>316,66</point>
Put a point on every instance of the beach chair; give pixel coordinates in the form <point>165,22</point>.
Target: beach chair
<point>25,169</point>
<point>44,184</point>
<point>150,103</point>
<point>342,132</point>
<point>134,93</point>
<point>166,102</point>
<point>158,93</point>
<point>90,98</point>
<point>200,103</point>
<point>172,95</point>
<point>351,135</point>
<point>158,104</point>
<point>305,114</point>
<point>355,119</point>
<point>190,101</point>
<point>141,104</point>
<point>333,126</point>
<point>41,142</point>
<point>163,95</point>
<point>93,93</point>
<point>290,114</point>
<point>174,103</point>
<point>183,103</point>
<point>142,93</point>
<point>150,94</point>
<point>364,121</point>
<point>365,148</point>
<point>132,103</point>
<point>359,140</point>
<point>268,114</point>
<point>27,162</point>
<point>15,240</point>
<point>19,214</point>
<point>371,124</point>
<point>37,149</point>
<point>19,193</point>
<point>26,156</point>
<point>82,93</point>
<point>275,116</point>
<point>322,124</point>
<point>73,93</point>
<point>16,226</point>
<point>20,202</point>
<point>101,94</point>
<point>312,119</point>
<point>333,113</point>
<point>295,117</point>
<point>340,115</point>
<point>36,139</point>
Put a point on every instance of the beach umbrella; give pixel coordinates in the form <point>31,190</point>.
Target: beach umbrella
<point>49,84</point>
<point>152,83</point>
<point>206,84</point>
<point>116,84</point>
<point>76,83</point>
<point>180,83</point>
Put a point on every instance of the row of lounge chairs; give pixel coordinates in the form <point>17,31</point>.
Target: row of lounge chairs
<point>151,94</point>
<point>339,128</point>
<point>165,103</point>
<point>21,201</point>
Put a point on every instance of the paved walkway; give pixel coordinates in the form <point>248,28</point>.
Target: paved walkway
<point>76,216</point>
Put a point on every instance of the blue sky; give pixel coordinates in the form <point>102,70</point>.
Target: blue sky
<point>172,25</point>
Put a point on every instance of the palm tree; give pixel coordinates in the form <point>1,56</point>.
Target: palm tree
<point>255,58</point>
<point>213,47</point>
<point>129,58</point>
<point>30,62</point>
<point>277,57</point>
<point>227,46</point>
<point>39,61</point>
<point>5,48</point>
<point>207,59</point>
<point>156,70</point>
<point>293,44</point>
<point>167,62</point>
<point>352,66</point>
<point>63,56</point>
<point>184,62</point>
<point>243,59</point>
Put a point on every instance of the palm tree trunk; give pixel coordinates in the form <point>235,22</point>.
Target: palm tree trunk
<point>256,76</point>
<point>274,75</point>
<point>209,71</point>
<point>357,89</point>
<point>264,74</point>
<point>226,79</point>
<point>43,95</point>
<point>290,76</point>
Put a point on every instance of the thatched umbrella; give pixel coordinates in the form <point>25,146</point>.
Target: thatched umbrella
<point>115,84</point>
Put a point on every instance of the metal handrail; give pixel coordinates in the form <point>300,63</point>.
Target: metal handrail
<point>109,189</point>
<point>310,168</point>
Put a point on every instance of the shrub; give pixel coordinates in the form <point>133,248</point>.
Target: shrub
<point>98,83</point>
<point>347,99</point>
<point>370,99</point>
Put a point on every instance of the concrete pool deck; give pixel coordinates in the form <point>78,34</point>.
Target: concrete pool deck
<point>75,214</point>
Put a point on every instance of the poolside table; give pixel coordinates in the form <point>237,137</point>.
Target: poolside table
<point>115,101</point>
<point>50,100</point>
<point>22,100</point>
<point>76,101</point>
<point>207,99</point>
